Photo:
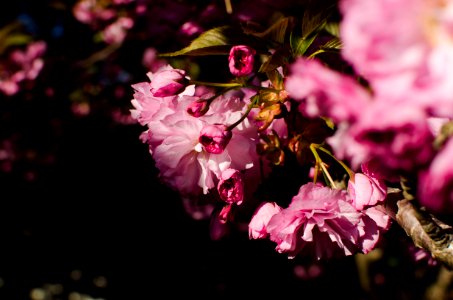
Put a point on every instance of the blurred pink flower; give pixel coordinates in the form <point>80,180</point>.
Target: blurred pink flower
<point>402,47</point>
<point>324,92</point>
<point>401,140</point>
<point>435,184</point>
<point>151,61</point>
<point>91,11</point>
<point>22,65</point>
<point>116,32</point>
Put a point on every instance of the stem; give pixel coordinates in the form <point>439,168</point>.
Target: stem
<point>425,230</point>
<point>319,162</point>
<point>217,84</point>
<point>347,169</point>
<point>249,108</point>
<point>228,7</point>
<point>99,56</point>
<point>233,85</point>
<point>218,94</point>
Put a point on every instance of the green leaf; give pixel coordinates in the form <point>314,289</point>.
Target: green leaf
<point>6,30</point>
<point>14,40</point>
<point>314,21</point>
<point>17,40</point>
<point>277,32</point>
<point>333,28</point>
<point>277,59</point>
<point>216,41</point>
<point>333,45</point>
<point>300,45</point>
<point>7,37</point>
<point>276,78</point>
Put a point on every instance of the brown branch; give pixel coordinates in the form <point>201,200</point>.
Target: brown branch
<point>426,231</point>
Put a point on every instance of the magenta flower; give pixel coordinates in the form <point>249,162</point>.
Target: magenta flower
<point>231,186</point>
<point>260,219</point>
<point>215,138</point>
<point>435,185</point>
<point>241,60</point>
<point>168,82</point>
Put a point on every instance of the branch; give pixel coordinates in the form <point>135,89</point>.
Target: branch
<point>426,231</point>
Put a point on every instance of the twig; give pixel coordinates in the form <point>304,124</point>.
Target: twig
<point>425,230</point>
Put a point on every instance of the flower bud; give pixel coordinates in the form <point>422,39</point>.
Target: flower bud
<point>215,138</point>
<point>231,186</point>
<point>198,108</point>
<point>168,82</point>
<point>241,60</point>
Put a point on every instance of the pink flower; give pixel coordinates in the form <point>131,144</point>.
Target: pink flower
<point>324,92</point>
<point>260,219</point>
<point>319,221</point>
<point>400,140</point>
<point>151,61</point>
<point>174,141</point>
<point>117,31</point>
<point>366,189</point>
<point>21,66</point>
<point>168,82</point>
<point>345,147</point>
<point>401,47</point>
<point>231,186</point>
<point>215,138</point>
<point>374,222</point>
<point>435,184</point>
<point>241,60</point>
<point>91,11</point>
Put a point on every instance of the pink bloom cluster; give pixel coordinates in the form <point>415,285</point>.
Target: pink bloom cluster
<point>378,122</point>
<point>197,154</point>
<point>21,65</point>
<point>105,16</point>
<point>404,53</point>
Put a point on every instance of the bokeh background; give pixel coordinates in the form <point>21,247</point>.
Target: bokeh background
<point>83,215</point>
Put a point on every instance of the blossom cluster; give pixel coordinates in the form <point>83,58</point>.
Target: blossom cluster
<point>346,110</point>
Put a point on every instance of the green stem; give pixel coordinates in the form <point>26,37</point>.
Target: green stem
<point>233,85</point>
<point>319,162</point>
<point>347,169</point>
<point>249,108</point>
<point>217,84</point>
<point>218,94</point>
